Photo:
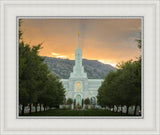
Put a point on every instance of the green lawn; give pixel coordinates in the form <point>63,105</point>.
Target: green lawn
<point>58,112</point>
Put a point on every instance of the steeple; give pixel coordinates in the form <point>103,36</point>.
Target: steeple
<point>78,69</point>
<point>78,54</point>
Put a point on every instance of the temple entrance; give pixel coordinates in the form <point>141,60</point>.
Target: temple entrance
<point>78,100</point>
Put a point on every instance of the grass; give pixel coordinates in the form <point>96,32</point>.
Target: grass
<point>58,112</point>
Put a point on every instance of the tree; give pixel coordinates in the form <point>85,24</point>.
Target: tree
<point>69,101</point>
<point>20,31</point>
<point>53,93</point>
<point>60,93</point>
<point>23,98</point>
<point>139,41</point>
<point>41,82</point>
<point>122,87</point>
<point>87,101</point>
<point>127,84</point>
<point>107,91</point>
<point>32,71</point>
<point>100,96</point>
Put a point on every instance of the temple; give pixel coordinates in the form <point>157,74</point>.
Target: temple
<point>78,86</point>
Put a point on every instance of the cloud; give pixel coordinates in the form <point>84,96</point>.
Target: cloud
<point>61,56</point>
<point>54,54</point>
<point>112,40</point>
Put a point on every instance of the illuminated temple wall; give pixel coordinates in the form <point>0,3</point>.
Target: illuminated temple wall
<point>91,91</point>
<point>78,86</point>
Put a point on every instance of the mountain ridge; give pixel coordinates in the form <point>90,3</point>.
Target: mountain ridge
<point>63,67</point>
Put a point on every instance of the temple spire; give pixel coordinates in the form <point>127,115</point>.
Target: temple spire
<point>78,69</point>
<point>78,40</point>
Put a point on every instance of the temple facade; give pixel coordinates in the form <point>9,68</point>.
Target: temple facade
<point>78,86</point>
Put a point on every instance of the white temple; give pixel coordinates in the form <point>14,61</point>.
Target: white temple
<point>78,86</point>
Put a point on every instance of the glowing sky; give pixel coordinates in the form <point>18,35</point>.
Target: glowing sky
<point>107,40</point>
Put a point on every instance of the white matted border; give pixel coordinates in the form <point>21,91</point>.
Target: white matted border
<point>148,125</point>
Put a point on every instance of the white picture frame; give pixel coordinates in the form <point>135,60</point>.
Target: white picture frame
<point>151,120</point>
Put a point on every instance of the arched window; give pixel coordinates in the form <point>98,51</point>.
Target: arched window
<point>78,87</point>
<point>93,100</point>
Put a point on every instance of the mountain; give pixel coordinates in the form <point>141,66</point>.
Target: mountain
<point>63,67</point>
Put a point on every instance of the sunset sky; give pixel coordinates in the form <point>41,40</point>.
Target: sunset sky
<point>108,40</point>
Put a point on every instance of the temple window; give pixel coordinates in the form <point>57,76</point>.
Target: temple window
<point>78,87</point>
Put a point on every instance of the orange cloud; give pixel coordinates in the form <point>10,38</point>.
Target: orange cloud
<point>61,56</point>
<point>108,40</point>
<point>54,54</point>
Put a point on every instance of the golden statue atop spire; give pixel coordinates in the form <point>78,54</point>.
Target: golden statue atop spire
<point>78,33</point>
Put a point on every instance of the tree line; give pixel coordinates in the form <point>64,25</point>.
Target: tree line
<point>122,87</point>
<point>37,85</point>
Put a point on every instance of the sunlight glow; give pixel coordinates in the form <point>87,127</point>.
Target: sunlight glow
<point>55,54</point>
<point>105,62</point>
<point>102,61</point>
<point>61,56</point>
<point>112,64</point>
